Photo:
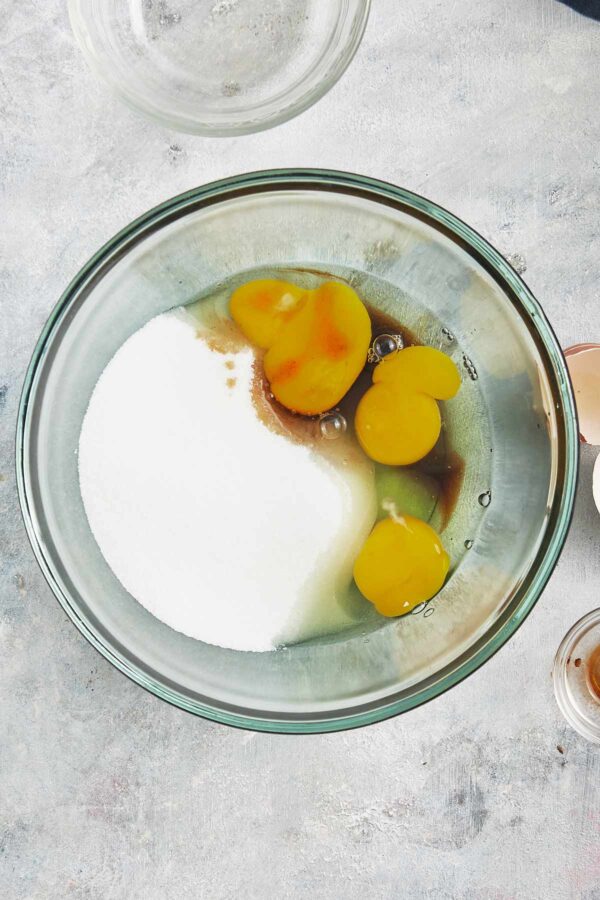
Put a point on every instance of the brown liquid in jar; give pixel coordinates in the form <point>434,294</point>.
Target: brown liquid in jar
<point>592,674</point>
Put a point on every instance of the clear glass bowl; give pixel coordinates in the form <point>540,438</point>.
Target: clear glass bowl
<point>523,459</point>
<point>219,67</point>
<point>576,676</point>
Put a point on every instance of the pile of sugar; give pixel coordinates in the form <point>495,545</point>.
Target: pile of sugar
<point>224,530</point>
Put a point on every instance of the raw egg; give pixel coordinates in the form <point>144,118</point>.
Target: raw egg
<point>261,308</point>
<point>402,563</point>
<point>316,345</point>
<point>398,419</point>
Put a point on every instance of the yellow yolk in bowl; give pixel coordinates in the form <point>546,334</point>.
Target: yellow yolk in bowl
<point>398,419</point>
<point>402,563</point>
<point>316,341</point>
<point>262,307</point>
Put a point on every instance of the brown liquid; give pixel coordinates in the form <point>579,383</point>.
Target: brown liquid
<point>592,675</point>
<point>320,274</point>
<point>222,335</point>
<point>448,469</point>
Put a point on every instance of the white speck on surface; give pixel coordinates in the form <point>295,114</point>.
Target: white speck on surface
<point>223,6</point>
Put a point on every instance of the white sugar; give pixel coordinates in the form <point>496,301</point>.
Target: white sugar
<point>223,529</point>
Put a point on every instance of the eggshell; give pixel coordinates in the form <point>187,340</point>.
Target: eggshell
<point>583,361</point>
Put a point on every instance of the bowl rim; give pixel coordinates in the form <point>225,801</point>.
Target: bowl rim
<point>527,593</point>
<point>188,125</point>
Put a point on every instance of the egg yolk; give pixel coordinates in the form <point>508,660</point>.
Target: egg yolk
<point>402,563</point>
<point>398,419</point>
<point>316,346</point>
<point>261,308</point>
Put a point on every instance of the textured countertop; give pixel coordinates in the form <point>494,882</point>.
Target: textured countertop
<point>489,107</point>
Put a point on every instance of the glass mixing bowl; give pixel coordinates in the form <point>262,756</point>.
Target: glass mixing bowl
<point>514,507</point>
<point>219,67</point>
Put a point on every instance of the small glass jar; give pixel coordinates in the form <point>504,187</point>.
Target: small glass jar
<point>576,676</point>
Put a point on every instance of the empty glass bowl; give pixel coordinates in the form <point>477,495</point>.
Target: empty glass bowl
<point>219,67</point>
<point>514,426</point>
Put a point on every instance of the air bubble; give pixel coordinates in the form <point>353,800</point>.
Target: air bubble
<point>384,345</point>
<point>332,425</point>
<point>448,335</point>
<point>428,612</point>
<point>468,544</point>
<point>468,364</point>
<point>419,608</point>
<point>485,499</point>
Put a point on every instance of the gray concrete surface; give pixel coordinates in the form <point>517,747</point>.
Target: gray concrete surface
<point>489,107</point>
